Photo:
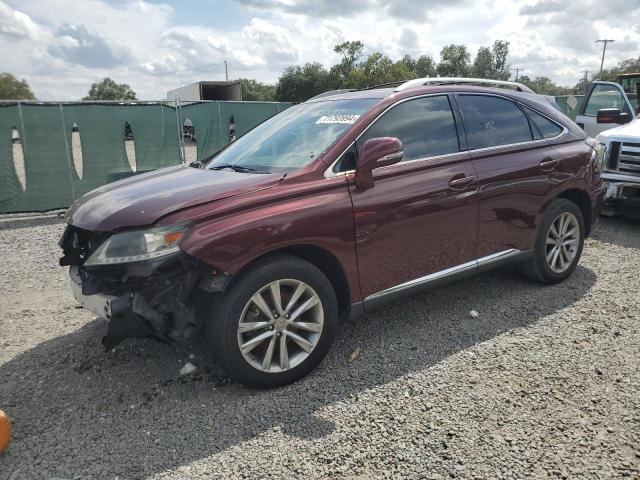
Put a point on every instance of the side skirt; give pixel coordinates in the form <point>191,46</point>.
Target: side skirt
<point>438,279</point>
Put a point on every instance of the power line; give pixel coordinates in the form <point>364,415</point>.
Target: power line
<point>604,49</point>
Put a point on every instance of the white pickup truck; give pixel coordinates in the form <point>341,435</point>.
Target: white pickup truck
<point>607,104</point>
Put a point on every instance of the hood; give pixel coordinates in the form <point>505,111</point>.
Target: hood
<point>143,199</point>
<point>629,132</point>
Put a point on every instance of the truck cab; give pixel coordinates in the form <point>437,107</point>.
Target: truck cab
<point>609,113</point>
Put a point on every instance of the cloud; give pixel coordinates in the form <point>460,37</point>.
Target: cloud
<point>76,44</point>
<point>409,40</point>
<point>413,10</point>
<point>314,8</point>
<point>65,45</point>
<point>16,24</point>
<point>272,41</point>
<point>545,6</point>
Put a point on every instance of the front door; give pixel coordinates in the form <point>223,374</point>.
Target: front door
<point>421,216</point>
<point>602,95</point>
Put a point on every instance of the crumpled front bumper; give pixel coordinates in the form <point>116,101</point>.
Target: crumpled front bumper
<point>106,306</point>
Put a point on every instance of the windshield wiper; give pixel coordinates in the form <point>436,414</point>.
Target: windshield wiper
<point>235,168</point>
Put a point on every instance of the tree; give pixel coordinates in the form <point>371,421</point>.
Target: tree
<point>483,66</point>
<point>351,53</point>
<point>631,65</point>
<point>500,52</point>
<point>379,69</point>
<point>13,89</point>
<point>297,84</point>
<point>257,91</point>
<point>425,67</point>
<point>107,89</point>
<point>454,61</point>
<point>492,62</point>
<point>544,86</point>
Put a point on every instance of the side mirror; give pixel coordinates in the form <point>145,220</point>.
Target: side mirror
<point>376,152</point>
<point>612,115</point>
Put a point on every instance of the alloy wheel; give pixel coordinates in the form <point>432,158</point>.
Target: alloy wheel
<point>563,240</point>
<point>280,325</point>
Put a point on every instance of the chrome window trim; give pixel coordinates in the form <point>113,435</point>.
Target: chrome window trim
<point>464,267</point>
<point>329,173</point>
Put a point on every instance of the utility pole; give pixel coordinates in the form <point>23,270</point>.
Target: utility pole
<point>226,71</point>
<point>518,70</point>
<point>604,50</point>
<point>586,80</point>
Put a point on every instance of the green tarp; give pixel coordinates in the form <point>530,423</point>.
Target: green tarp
<point>53,136</point>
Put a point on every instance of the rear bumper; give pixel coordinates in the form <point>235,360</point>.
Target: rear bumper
<point>106,306</point>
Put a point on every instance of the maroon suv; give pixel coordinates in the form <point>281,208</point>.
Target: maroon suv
<point>330,209</point>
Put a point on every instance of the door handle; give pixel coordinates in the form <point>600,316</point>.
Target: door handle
<point>548,164</point>
<point>461,183</point>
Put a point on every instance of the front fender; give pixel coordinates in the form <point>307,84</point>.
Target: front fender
<point>318,215</point>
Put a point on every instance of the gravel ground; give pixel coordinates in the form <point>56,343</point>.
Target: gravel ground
<point>544,383</point>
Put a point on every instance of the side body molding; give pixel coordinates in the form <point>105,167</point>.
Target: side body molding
<point>442,277</point>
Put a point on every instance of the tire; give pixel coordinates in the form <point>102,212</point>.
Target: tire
<point>539,268</point>
<point>236,306</point>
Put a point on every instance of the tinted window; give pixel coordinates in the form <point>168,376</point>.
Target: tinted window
<point>425,127</point>
<point>543,127</point>
<point>493,121</point>
<point>604,96</point>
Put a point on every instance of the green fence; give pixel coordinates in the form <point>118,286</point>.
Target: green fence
<point>52,153</point>
<point>569,104</point>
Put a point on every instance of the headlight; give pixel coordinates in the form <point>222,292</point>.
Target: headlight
<point>601,152</point>
<point>138,245</point>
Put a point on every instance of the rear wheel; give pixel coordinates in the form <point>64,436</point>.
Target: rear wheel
<point>559,243</point>
<point>275,323</point>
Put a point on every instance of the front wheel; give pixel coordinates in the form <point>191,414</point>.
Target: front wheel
<point>559,243</point>
<point>275,323</point>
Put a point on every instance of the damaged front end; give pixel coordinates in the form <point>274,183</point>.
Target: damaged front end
<point>139,280</point>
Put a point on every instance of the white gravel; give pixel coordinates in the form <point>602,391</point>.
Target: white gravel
<point>543,383</point>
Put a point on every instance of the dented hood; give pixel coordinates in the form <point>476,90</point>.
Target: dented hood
<point>143,199</point>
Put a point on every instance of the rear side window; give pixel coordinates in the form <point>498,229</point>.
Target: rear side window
<point>425,126</point>
<point>543,126</point>
<point>493,121</point>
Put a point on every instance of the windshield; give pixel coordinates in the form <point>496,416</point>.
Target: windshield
<point>293,138</point>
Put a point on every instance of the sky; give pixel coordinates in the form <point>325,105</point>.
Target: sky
<point>62,46</point>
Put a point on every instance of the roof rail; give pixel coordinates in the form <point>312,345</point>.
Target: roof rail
<point>419,82</point>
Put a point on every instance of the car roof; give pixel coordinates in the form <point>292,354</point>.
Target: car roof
<point>383,93</point>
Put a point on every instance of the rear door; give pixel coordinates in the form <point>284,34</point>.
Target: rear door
<point>421,216</point>
<point>516,169</point>
<point>602,95</point>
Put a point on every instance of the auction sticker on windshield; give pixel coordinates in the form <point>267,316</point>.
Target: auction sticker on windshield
<point>337,118</point>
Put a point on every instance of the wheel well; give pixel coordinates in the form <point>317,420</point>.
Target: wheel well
<point>326,262</point>
<point>581,199</point>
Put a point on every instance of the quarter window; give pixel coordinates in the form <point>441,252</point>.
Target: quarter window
<point>545,127</point>
<point>425,126</point>
<point>493,121</point>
